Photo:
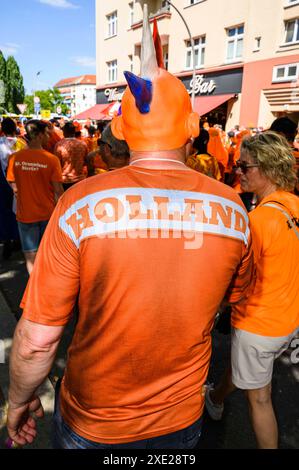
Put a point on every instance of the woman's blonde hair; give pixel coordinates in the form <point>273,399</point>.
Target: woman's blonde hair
<point>274,156</point>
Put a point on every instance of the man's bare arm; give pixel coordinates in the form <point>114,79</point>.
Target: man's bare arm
<point>58,190</point>
<point>33,352</point>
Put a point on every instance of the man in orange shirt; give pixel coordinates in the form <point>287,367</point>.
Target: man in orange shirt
<point>35,176</point>
<point>72,154</point>
<point>132,246</point>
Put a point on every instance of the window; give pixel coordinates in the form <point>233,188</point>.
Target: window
<point>235,43</point>
<point>199,53</point>
<point>112,71</point>
<point>131,13</point>
<point>165,57</point>
<point>112,24</point>
<point>292,31</point>
<point>258,43</point>
<point>285,73</point>
<point>131,63</point>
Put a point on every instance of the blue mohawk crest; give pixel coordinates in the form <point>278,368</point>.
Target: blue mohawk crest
<point>142,90</point>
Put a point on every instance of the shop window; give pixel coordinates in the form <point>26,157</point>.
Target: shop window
<point>112,24</point>
<point>292,31</point>
<point>235,40</point>
<point>285,73</point>
<point>112,71</point>
<point>199,53</point>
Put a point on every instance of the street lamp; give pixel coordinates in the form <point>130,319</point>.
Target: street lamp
<point>36,99</point>
<point>193,50</point>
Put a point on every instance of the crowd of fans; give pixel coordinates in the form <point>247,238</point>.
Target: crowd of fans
<point>82,153</point>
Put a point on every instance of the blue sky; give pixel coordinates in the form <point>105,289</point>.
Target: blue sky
<point>56,37</point>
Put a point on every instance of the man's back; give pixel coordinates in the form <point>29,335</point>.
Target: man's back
<point>33,171</point>
<point>72,154</point>
<point>143,252</point>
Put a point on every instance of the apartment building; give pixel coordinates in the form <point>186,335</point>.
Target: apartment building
<point>79,93</point>
<point>246,54</point>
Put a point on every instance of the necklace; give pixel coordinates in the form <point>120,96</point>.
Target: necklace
<point>165,160</point>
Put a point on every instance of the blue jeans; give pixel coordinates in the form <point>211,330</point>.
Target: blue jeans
<point>65,438</point>
<point>31,235</point>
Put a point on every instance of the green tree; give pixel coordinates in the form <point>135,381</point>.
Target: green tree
<point>49,99</point>
<point>15,87</point>
<point>2,81</point>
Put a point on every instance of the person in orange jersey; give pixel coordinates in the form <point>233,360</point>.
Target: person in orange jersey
<point>200,160</point>
<point>217,149</point>
<point>265,325</point>
<point>114,153</point>
<point>133,246</point>
<point>91,140</point>
<point>54,138</point>
<point>36,179</point>
<point>72,154</point>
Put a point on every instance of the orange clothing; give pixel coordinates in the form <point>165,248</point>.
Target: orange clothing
<point>33,171</point>
<point>216,147</point>
<point>72,154</point>
<point>54,137</point>
<point>92,143</point>
<point>273,307</point>
<point>135,253</point>
<point>206,164</point>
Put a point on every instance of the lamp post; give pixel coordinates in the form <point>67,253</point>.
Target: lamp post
<point>36,99</point>
<point>193,50</point>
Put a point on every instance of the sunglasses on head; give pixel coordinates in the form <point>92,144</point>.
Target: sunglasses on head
<point>243,166</point>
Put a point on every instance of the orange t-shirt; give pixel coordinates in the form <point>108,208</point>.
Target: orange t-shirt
<point>33,171</point>
<point>136,254</point>
<point>273,307</point>
<point>72,154</point>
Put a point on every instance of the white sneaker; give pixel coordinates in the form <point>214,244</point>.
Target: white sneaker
<point>215,411</point>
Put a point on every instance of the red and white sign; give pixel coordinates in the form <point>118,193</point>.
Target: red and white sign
<point>22,108</point>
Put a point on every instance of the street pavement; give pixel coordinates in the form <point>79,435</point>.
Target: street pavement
<point>232,432</point>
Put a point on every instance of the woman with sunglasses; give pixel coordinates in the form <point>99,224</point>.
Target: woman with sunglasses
<point>264,326</point>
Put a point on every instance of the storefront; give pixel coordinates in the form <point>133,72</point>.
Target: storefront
<point>216,95</point>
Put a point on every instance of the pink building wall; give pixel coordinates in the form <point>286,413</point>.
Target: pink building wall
<point>257,76</point>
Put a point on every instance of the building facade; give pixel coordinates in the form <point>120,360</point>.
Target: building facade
<point>79,93</point>
<point>246,54</point>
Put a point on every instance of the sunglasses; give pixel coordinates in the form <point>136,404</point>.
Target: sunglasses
<point>102,142</point>
<point>244,166</point>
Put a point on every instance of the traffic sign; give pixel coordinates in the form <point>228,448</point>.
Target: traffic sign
<point>22,108</point>
<point>36,99</point>
<point>58,109</point>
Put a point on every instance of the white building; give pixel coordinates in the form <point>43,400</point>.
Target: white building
<point>79,92</point>
<point>246,54</point>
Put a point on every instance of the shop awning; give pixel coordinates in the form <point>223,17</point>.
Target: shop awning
<point>96,112</point>
<point>205,104</point>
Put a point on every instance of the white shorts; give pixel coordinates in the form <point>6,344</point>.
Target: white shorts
<point>253,356</point>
